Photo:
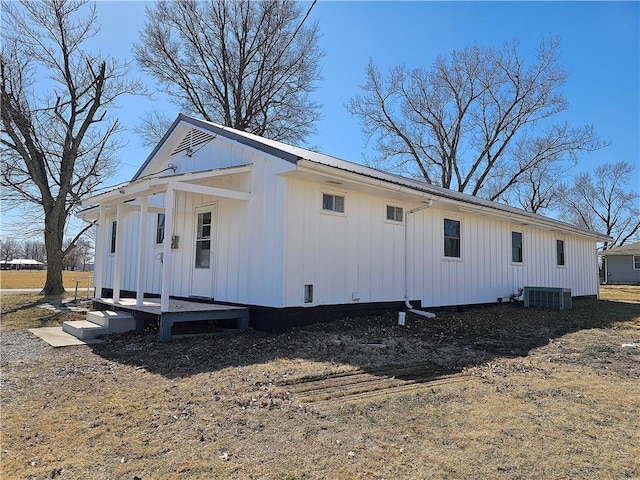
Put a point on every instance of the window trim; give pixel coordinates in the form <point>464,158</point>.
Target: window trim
<point>333,211</point>
<point>396,208</point>
<point>564,253</point>
<point>203,210</point>
<point>444,256</point>
<point>164,228</point>
<point>634,262</point>
<point>113,236</point>
<point>521,261</point>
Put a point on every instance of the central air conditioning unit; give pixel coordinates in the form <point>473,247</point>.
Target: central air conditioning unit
<point>547,297</point>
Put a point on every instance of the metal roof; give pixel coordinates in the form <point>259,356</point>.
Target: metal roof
<point>295,154</point>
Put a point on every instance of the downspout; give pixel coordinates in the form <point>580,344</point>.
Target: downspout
<point>410,308</point>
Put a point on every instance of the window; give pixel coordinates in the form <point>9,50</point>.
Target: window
<point>394,213</point>
<point>334,203</point>
<point>451,238</point>
<point>308,294</point>
<point>203,240</point>
<point>114,229</point>
<point>636,262</point>
<point>516,247</point>
<point>160,228</point>
<point>560,253</point>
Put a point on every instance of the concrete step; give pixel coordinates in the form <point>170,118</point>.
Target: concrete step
<point>108,318</point>
<point>83,329</point>
<point>100,323</point>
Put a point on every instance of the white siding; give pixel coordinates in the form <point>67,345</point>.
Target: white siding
<point>361,252</point>
<point>486,271</point>
<point>357,252</point>
<point>268,248</point>
<point>217,153</point>
<point>248,236</point>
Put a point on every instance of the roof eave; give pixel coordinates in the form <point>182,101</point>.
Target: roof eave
<point>474,203</point>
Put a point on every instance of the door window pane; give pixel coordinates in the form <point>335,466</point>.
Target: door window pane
<point>203,253</point>
<point>203,241</point>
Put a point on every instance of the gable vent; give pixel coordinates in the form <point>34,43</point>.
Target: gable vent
<point>544,297</point>
<point>192,139</point>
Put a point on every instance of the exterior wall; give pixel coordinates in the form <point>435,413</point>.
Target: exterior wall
<point>341,255</point>
<point>359,256</point>
<point>620,269</point>
<point>485,270</point>
<point>269,247</point>
<point>218,153</point>
<point>248,236</point>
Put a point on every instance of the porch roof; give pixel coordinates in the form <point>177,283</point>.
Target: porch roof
<point>183,181</point>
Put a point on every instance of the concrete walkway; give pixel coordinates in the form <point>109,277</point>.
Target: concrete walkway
<point>55,337</point>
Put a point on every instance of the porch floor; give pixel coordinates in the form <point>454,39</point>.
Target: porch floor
<point>179,311</point>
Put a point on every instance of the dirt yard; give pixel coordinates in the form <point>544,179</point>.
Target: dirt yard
<point>499,392</point>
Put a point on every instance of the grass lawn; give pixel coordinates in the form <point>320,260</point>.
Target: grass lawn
<point>27,279</point>
<point>498,392</point>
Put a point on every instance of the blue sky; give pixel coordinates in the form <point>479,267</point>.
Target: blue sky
<point>600,47</point>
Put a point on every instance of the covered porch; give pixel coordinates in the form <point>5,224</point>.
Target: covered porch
<point>125,266</point>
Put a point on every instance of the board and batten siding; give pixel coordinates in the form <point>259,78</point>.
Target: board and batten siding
<point>247,237</point>
<point>358,256</point>
<point>485,271</point>
<point>352,257</point>
<point>215,154</point>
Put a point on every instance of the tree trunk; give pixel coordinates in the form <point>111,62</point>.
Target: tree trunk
<point>53,234</point>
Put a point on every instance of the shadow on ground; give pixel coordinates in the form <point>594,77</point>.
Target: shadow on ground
<point>421,351</point>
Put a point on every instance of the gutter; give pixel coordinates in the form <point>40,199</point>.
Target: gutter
<point>426,204</point>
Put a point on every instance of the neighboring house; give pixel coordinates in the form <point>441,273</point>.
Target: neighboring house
<point>224,215</point>
<point>622,264</point>
<point>21,264</point>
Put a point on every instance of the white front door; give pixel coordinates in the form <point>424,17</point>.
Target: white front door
<point>203,252</point>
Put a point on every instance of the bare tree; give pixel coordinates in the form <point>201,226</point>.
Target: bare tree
<point>57,136</point>
<point>250,65</point>
<point>35,250</point>
<point>477,122</point>
<point>598,201</point>
<point>10,248</point>
<point>85,250</point>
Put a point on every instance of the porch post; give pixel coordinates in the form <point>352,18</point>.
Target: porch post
<point>166,249</point>
<point>142,252</point>
<point>100,250</point>
<point>118,254</point>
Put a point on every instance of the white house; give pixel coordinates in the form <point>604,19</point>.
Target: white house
<point>21,264</point>
<point>224,215</point>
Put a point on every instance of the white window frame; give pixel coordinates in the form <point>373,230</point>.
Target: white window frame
<point>521,262</point>
<point>635,259</point>
<point>396,208</point>
<point>459,220</point>
<point>164,229</point>
<point>564,252</point>
<point>113,236</point>
<point>332,211</point>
